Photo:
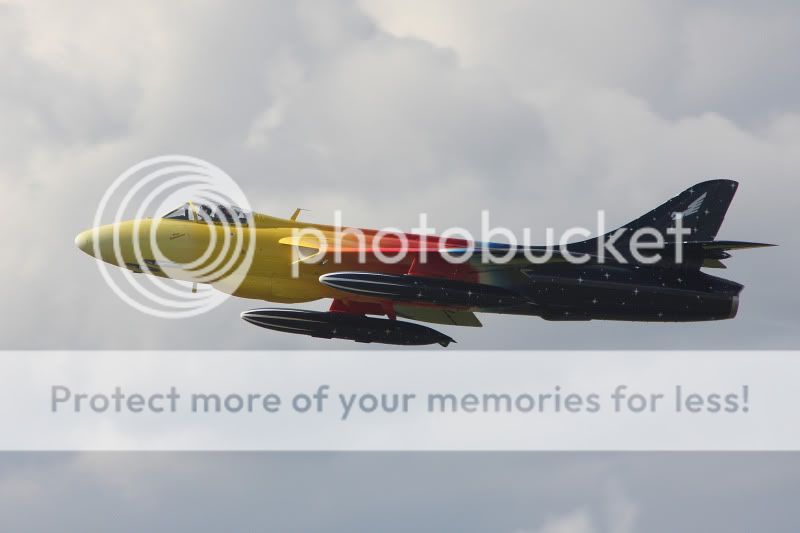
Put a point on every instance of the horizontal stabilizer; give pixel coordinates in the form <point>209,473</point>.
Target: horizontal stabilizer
<point>711,253</point>
<point>732,245</point>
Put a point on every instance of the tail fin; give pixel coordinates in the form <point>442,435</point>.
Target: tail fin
<point>701,207</point>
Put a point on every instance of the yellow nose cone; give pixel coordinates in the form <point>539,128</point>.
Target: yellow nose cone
<point>84,242</point>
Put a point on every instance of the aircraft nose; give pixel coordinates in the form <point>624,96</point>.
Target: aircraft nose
<point>84,242</point>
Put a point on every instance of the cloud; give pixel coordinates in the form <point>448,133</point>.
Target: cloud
<point>397,491</point>
<point>683,58</point>
<point>619,516</point>
<point>577,521</point>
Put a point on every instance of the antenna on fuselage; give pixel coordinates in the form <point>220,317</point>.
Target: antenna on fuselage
<point>296,213</point>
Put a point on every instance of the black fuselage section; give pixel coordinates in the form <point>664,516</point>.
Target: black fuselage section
<point>627,292</point>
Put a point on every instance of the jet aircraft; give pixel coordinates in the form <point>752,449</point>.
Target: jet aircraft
<point>295,261</point>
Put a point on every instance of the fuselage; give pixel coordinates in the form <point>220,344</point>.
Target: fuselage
<point>278,270</point>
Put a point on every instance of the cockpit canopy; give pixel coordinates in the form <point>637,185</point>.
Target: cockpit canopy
<point>210,213</point>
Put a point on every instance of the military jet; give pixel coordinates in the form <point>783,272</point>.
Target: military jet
<point>648,270</point>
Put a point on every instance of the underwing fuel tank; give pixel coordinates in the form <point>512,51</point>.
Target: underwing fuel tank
<point>337,325</point>
<point>437,291</point>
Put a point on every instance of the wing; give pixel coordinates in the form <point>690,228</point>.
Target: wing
<point>436,315</point>
<point>421,313</point>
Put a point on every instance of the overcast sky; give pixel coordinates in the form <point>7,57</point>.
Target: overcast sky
<point>541,112</point>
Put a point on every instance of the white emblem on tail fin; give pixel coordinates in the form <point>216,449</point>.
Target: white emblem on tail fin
<point>693,208</point>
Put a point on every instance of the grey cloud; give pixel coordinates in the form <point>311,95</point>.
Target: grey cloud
<point>683,58</point>
<point>544,492</point>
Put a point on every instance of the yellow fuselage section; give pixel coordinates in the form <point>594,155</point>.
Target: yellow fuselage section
<point>272,272</point>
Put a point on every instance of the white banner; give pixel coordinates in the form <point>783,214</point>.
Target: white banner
<point>399,400</point>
